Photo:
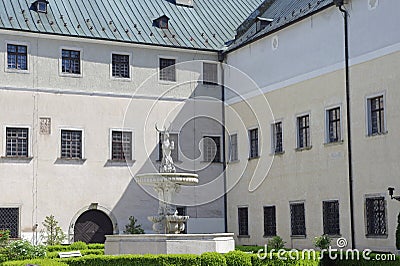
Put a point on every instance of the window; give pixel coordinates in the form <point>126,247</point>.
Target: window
<point>120,66</point>
<point>161,22</point>
<point>182,212</point>
<point>253,138</point>
<point>16,142</point>
<point>71,62</point>
<point>17,57</point>
<point>71,144</point>
<point>333,125</point>
<point>212,149</point>
<point>277,138</point>
<point>269,221</point>
<point>174,153</point>
<point>331,217</point>
<point>376,216</point>
<point>41,6</point>
<point>210,74</point>
<point>233,151</point>
<point>9,220</point>
<point>121,146</point>
<point>167,69</point>
<point>376,115</point>
<point>298,220</point>
<point>303,131</point>
<point>243,221</point>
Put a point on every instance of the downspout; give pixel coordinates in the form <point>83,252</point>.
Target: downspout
<point>221,58</point>
<point>340,4</point>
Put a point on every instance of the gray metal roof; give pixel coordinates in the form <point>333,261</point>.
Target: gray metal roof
<point>283,13</point>
<point>207,26</point>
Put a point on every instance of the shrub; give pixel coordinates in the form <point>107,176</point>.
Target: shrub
<point>95,246</point>
<point>252,249</point>
<point>53,233</point>
<point>42,262</point>
<point>238,258</point>
<point>276,243</point>
<point>4,238</point>
<point>22,249</point>
<point>58,248</point>
<point>322,242</point>
<point>212,259</point>
<point>79,245</point>
<point>133,227</point>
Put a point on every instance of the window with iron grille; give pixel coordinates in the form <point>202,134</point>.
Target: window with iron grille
<point>233,151</point>
<point>174,153</point>
<point>298,220</point>
<point>210,74</point>
<point>269,221</point>
<point>243,218</point>
<point>9,220</point>
<point>120,66</point>
<point>376,116</point>
<point>303,131</point>
<point>71,144</point>
<point>376,216</point>
<point>121,146</point>
<point>212,149</point>
<point>71,62</point>
<point>167,69</point>
<point>334,130</point>
<point>277,136</point>
<point>331,217</point>
<point>253,138</point>
<point>17,57</point>
<point>16,142</point>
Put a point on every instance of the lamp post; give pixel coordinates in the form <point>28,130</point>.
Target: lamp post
<point>391,190</point>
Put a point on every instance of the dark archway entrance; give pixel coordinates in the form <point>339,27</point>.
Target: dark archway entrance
<point>92,226</point>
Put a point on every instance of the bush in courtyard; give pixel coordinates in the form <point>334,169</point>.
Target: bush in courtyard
<point>53,233</point>
<point>22,249</point>
<point>79,245</point>
<point>41,262</point>
<point>237,258</point>
<point>276,243</point>
<point>322,242</point>
<point>4,238</point>
<point>133,227</point>
<point>95,246</point>
<point>212,259</point>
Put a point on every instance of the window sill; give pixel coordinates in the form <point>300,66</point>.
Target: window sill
<point>377,134</point>
<point>269,236</point>
<point>254,158</point>
<point>377,236</point>
<point>334,143</point>
<point>278,153</point>
<point>10,159</point>
<point>243,236</point>
<point>298,237</point>
<point>334,236</point>
<point>70,75</point>
<point>121,79</point>
<point>18,71</point>
<point>167,82</point>
<point>119,163</point>
<point>303,149</point>
<point>234,162</point>
<point>70,161</point>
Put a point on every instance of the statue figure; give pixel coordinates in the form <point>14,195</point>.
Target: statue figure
<point>167,164</point>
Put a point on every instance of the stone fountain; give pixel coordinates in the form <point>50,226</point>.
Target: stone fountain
<point>167,224</point>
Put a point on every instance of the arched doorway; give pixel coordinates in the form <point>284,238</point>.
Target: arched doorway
<point>92,226</point>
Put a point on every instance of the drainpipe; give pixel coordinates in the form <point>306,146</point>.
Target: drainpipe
<point>221,58</point>
<point>340,4</point>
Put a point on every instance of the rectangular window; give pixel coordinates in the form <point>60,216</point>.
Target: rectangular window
<point>376,116</point>
<point>17,57</point>
<point>17,142</point>
<point>253,138</point>
<point>243,218</point>
<point>210,74</point>
<point>303,131</point>
<point>333,125</point>
<point>121,146</point>
<point>233,151</point>
<point>174,153</point>
<point>331,217</point>
<point>298,220</point>
<point>376,216</point>
<point>212,149</point>
<point>167,69</point>
<point>71,144</point>
<point>120,66</point>
<point>269,221</point>
<point>71,62</point>
<point>277,137</point>
<point>9,220</point>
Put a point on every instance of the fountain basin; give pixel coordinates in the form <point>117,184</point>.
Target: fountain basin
<point>184,179</point>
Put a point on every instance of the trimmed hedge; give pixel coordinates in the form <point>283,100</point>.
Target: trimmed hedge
<point>212,259</point>
<point>41,262</point>
<point>74,246</point>
<point>238,258</point>
<point>54,254</point>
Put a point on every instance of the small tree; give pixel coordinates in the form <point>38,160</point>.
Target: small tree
<point>322,242</point>
<point>276,243</point>
<point>133,227</point>
<point>398,233</point>
<point>54,235</point>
